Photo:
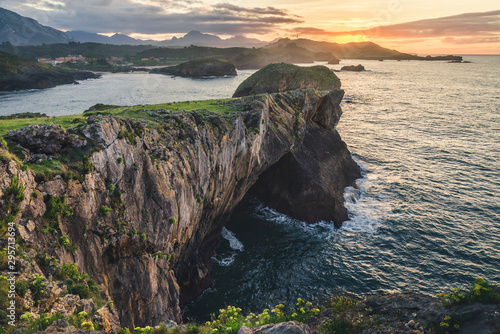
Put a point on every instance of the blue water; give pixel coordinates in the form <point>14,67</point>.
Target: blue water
<point>425,216</point>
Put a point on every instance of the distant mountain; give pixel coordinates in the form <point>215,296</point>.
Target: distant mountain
<point>116,39</point>
<point>199,39</point>
<point>191,38</point>
<point>20,30</point>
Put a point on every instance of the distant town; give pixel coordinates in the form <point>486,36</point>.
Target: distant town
<point>113,61</point>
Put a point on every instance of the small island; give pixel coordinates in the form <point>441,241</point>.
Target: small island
<point>353,68</point>
<point>200,68</point>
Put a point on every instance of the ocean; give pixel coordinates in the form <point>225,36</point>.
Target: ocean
<point>424,217</point>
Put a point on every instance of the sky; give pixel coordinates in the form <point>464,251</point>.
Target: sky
<point>421,27</point>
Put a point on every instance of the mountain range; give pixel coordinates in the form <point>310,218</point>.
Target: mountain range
<point>23,31</point>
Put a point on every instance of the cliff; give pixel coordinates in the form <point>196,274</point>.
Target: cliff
<point>138,198</point>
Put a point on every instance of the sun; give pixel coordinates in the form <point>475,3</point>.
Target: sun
<point>349,39</point>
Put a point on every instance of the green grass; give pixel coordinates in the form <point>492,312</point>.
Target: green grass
<point>13,124</point>
<point>134,112</point>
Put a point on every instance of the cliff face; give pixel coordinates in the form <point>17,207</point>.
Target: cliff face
<point>149,212</point>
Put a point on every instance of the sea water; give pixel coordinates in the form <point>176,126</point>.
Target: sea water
<point>424,217</point>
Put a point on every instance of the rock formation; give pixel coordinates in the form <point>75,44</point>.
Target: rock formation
<point>200,68</point>
<point>282,77</point>
<point>353,68</point>
<point>145,214</point>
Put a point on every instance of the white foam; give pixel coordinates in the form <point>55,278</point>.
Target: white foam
<point>366,208</point>
<point>225,261</point>
<point>234,243</point>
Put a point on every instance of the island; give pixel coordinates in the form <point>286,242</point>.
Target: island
<point>199,68</point>
<point>353,68</point>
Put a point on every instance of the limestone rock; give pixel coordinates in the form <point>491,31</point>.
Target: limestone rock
<point>107,320</point>
<point>291,327</point>
<point>66,305</point>
<point>45,139</point>
<point>103,133</point>
<point>60,326</point>
<point>85,305</point>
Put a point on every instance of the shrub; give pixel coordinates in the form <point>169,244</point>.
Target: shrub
<point>36,286</point>
<point>119,160</point>
<point>144,236</point>
<point>199,199</point>
<point>481,291</point>
<point>172,220</point>
<point>104,210</point>
<point>80,289</point>
<point>336,326</point>
<point>57,206</point>
<point>69,270</point>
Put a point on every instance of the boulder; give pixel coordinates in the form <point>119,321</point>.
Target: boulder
<point>200,68</point>
<point>45,139</point>
<point>282,77</point>
<point>290,327</point>
<point>107,320</point>
<point>59,326</point>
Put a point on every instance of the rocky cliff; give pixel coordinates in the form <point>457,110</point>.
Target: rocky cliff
<point>143,211</point>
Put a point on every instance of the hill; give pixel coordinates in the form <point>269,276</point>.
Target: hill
<point>18,73</point>
<point>20,30</point>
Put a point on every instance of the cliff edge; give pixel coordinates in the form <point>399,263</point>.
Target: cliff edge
<point>137,198</point>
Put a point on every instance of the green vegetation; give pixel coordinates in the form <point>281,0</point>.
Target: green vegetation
<point>144,236</point>
<point>119,160</point>
<point>104,210</point>
<point>56,207</point>
<point>481,291</point>
<point>172,221</point>
<point>12,65</point>
<point>276,78</point>
<point>10,209</point>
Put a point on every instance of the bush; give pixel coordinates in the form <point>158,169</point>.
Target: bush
<point>172,220</point>
<point>144,236</point>
<point>336,326</point>
<point>104,210</point>
<point>57,206</point>
<point>69,270</point>
<point>119,160</point>
<point>481,291</point>
<point>80,289</point>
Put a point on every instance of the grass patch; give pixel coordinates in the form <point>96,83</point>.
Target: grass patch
<point>64,121</point>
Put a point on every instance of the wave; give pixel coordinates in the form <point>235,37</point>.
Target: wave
<point>367,209</point>
<point>234,243</point>
<point>224,261</point>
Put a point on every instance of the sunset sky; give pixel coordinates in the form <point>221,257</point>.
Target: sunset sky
<point>423,27</point>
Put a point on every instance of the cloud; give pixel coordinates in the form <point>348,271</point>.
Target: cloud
<point>153,16</point>
<point>470,24</point>
<point>454,40</point>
